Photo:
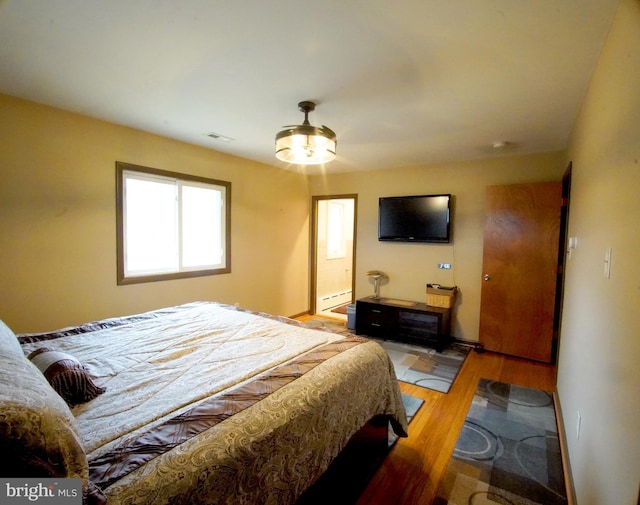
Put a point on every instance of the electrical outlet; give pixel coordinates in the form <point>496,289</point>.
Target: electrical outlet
<point>578,424</point>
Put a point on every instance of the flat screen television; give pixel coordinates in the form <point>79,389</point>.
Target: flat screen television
<point>419,218</point>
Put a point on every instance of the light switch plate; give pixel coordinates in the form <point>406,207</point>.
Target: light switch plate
<point>607,263</point>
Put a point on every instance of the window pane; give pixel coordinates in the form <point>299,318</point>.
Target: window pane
<point>201,227</point>
<point>336,246</point>
<point>150,226</point>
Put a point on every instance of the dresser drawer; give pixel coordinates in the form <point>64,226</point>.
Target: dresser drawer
<point>375,320</point>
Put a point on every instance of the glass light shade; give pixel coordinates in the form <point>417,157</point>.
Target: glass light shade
<point>306,145</point>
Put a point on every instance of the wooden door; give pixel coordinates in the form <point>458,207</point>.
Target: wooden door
<point>520,266</point>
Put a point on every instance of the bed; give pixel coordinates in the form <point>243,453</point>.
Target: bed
<point>198,403</point>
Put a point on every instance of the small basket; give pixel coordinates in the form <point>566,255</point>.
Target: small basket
<point>441,296</point>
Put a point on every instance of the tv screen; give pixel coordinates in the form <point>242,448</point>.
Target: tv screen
<point>420,218</point>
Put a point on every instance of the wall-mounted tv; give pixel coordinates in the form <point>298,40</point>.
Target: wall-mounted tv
<point>419,218</point>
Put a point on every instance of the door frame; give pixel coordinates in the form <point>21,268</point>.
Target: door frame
<point>313,245</point>
<point>562,261</point>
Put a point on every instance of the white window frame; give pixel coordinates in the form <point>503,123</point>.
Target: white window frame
<point>177,181</point>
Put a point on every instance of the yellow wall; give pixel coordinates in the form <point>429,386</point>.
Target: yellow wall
<point>411,266</point>
<point>599,371</point>
<point>57,222</point>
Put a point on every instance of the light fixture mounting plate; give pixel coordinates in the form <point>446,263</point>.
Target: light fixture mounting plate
<point>306,106</point>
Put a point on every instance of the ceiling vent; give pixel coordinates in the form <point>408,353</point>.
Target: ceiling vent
<point>217,136</point>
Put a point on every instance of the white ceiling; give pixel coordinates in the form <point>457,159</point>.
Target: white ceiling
<point>402,82</point>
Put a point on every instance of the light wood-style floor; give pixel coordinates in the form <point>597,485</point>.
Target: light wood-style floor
<point>411,472</point>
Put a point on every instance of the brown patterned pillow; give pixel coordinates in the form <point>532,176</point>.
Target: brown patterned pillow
<point>66,375</point>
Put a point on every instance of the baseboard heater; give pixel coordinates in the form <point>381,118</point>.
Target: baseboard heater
<point>328,302</point>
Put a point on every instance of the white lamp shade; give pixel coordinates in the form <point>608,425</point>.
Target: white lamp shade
<point>306,145</point>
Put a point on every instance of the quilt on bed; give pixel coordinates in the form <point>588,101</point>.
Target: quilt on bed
<point>208,404</point>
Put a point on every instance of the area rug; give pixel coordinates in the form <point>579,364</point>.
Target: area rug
<point>508,451</point>
<point>424,366</point>
<point>419,365</point>
<point>342,309</point>
<point>411,406</point>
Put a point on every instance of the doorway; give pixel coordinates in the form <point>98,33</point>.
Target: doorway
<point>333,244</point>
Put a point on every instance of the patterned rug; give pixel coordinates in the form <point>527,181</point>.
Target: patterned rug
<point>424,366</point>
<point>419,365</point>
<point>508,451</point>
<point>411,406</point>
<point>342,309</point>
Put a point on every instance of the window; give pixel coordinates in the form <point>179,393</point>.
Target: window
<point>170,225</point>
<point>336,239</point>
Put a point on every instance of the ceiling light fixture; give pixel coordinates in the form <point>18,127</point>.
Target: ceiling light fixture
<point>305,144</point>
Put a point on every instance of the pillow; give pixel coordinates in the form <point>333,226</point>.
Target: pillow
<point>36,426</point>
<point>66,375</point>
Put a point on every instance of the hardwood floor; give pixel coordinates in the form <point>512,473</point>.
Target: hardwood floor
<point>411,472</point>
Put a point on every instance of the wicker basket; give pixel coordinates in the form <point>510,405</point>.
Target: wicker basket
<point>440,296</point>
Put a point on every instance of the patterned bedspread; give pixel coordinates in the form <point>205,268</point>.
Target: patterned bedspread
<point>205,403</point>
